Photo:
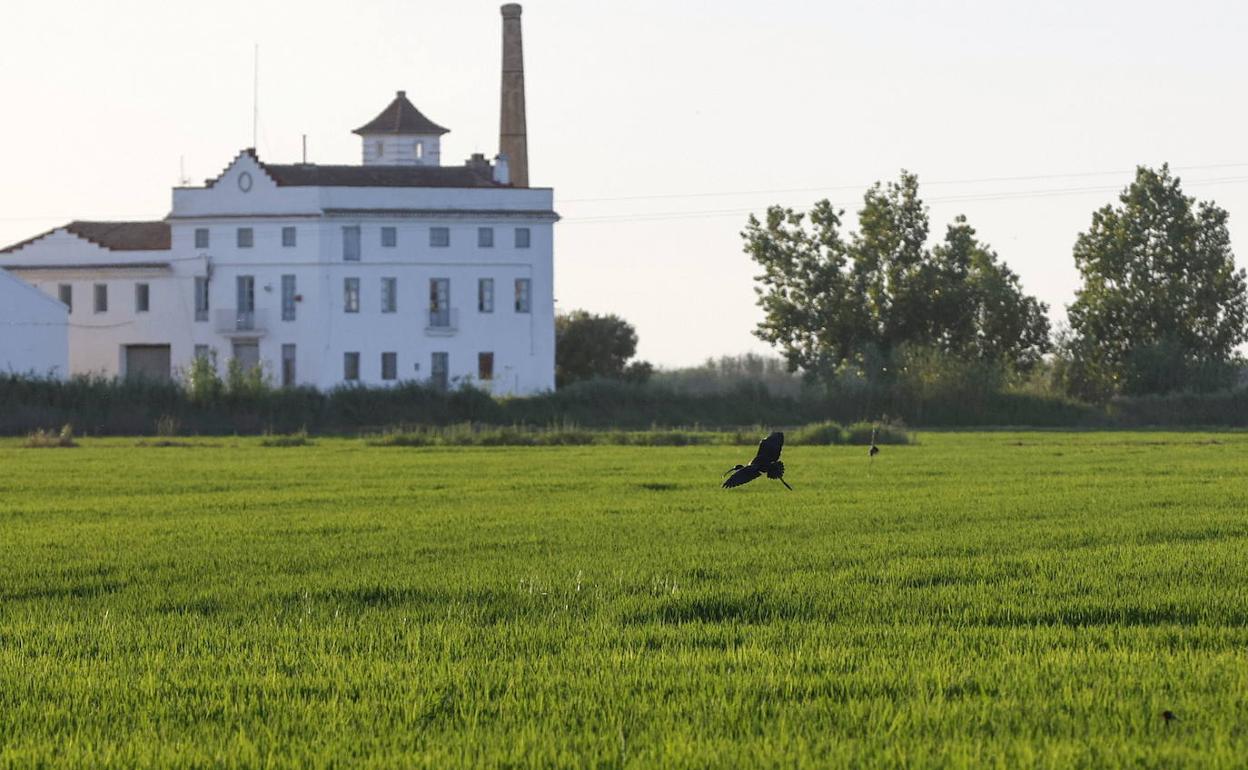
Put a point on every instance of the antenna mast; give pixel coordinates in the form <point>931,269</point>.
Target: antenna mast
<point>255,99</point>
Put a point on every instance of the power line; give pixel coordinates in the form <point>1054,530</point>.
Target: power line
<point>926,183</point>
<point>1001,195</point>
<point>960,198</point>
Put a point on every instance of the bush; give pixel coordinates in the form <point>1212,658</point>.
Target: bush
<point>860,433</point>
<point>651,413</point>
<point>817,434</point>
<point>293,439</point>
<point>241,383</point>
<point>728,374</point>
<point>1225,408</point>
<point>203,384</point>
<point>46,439</point>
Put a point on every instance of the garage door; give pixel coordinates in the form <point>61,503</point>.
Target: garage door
<point>150,362</point>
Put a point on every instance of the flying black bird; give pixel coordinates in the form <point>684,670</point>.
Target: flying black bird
<point>767,461</point>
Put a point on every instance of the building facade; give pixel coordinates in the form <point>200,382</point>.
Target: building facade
<point>394,270</point>
<point>34,330</point>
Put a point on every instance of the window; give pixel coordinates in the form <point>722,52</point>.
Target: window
<point>485,237</point>
<point>201,298</point>
<point>389,366</point>
<point>142,297</point>
<point>288,366</point>
<point>245,291</point>
<point>439,371</point>
<point>201,237</point>
<point>244,310</point>
<point>351,366</point>
<point>65,292</point>
<point>101,298</point>
<point>246,237</point>
<point>351,244</point>
<point>485,366</point>
<point>485,295</point>
<point>522,237</point>
<point>204,352</point>
<point>389,295</point>
<point>288,236</point>
<point>439,237</point>
<point>351,295</point>
<point>523,295</point>
<point>439,302</point>
<point>420,150</point>
<point>288,298</point>
<point>389,237</point>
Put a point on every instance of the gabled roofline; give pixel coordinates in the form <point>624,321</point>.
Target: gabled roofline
<point>76,228</point>
<point>249,152</point>
<point>23,244</point>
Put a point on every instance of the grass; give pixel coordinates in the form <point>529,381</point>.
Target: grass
<point>975,600</point>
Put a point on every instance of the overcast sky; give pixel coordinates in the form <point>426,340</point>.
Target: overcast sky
<point>660,125</point>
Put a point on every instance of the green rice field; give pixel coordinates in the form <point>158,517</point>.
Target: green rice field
<point>973,600</point>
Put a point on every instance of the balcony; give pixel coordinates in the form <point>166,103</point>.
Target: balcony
<point>241,323</point>
<point>442,322</point>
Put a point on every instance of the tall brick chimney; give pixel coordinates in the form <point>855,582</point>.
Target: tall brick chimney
<point>513,140</point>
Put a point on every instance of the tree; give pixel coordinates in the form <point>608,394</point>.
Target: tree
<point>979,306</point>
<point>893,270</point>
<point>1162,306</point>
<point>589,346</point>
<point>830,302</point>
<point>813,309</point>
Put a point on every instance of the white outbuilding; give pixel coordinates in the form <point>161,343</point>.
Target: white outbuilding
<point>34,330</point>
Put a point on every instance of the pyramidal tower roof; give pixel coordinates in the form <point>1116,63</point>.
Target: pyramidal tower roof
<point>401,117</point>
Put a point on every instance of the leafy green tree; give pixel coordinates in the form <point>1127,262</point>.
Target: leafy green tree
<point>830,302</point>
<point>1162,306</point>
<point>589,346</point>
<point>814,309</point>
<point>892,269</point>
<point>979,306</point>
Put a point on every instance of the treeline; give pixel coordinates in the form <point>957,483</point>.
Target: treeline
<point>1161,307</point>
<point>95,406</point>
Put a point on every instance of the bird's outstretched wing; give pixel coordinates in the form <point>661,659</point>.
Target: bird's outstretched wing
<point>769,450</point>
<point>743,476</point>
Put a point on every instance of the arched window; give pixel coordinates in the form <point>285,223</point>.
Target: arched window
<point>420,150</point>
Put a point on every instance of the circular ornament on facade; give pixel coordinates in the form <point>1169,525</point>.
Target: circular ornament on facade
<point>244,182</point>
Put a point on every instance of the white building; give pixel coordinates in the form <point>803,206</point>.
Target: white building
<point>397,269</point>
<point>33,330</point>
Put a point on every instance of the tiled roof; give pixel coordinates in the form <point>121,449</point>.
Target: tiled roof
<point>301,175</point>
<point>90,266</point>
<point>312,175</point>
<point>114,236</point>
<point>401,117</point>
